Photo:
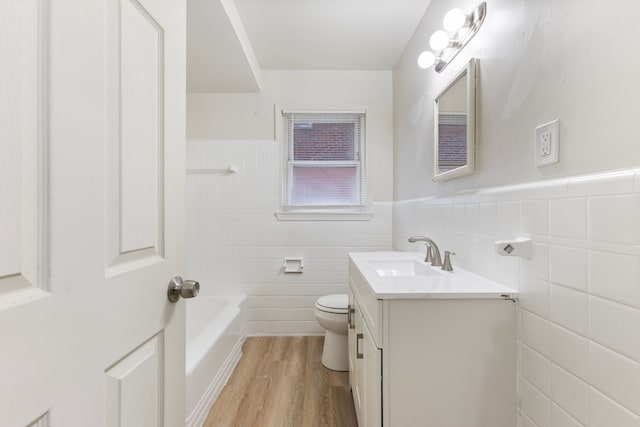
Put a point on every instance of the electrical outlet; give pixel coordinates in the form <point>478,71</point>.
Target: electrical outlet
<point>547,143</point>
<point>545,148</point>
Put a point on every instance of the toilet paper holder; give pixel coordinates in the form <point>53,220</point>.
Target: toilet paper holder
<point>292,265</point>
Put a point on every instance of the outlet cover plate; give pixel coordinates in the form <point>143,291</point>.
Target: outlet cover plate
<point>547,143</point>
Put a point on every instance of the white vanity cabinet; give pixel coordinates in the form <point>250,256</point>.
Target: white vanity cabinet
<point>365,368</point>
<point>430,358</point>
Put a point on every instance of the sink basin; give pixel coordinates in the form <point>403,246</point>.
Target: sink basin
<point>398,268</point>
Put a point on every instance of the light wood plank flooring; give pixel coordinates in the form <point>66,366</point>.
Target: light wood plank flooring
<point>281,382</point>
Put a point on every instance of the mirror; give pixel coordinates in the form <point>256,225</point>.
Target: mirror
<point>454,124</point>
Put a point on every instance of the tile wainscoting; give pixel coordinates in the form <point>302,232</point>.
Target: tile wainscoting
<point>235,244</point>
<point>579,317</point>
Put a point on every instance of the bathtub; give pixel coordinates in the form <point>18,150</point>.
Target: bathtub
<point>215,333</point>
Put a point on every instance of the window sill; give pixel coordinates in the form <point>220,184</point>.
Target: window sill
<point>311,215</point>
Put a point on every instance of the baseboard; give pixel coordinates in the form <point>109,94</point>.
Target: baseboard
<point>199,414</point>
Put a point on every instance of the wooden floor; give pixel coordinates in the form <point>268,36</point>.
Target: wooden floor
<point>281,382</point>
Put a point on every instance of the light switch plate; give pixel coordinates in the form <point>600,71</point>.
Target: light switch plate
<point>547,143</point>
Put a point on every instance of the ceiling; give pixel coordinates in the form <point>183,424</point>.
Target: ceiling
<point>230,42</point>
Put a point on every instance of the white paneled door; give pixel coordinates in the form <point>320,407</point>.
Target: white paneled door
<point>92,130</point>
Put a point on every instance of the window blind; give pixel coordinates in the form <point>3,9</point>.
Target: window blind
<point>323,164</point>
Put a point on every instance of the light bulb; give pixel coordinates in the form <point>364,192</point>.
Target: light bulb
<point>426,59</point>
<point>454,20</point>
<point>439,40</point>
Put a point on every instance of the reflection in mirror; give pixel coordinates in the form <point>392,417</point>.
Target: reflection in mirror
<point>454,122</point>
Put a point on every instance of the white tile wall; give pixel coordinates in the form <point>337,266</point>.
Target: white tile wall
<point>568,267</point>
<point>560,418</point>
<point>568,218</point>
<point>570,393</point>
<point>579,332</point>
<point>235,244</point>
<point>570,308</point>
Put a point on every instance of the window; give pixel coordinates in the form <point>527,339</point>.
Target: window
<point>323,165</point>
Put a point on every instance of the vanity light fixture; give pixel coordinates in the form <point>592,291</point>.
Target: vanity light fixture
<point>459,29</point>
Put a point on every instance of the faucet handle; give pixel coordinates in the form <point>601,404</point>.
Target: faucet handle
<point>446,265</point>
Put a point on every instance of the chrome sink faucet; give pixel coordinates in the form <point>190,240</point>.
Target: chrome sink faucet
<point>433,252</point>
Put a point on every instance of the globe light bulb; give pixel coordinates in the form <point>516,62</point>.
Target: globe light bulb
<point>439,40</point>
<point>454,20</point>
<point>426,59</point>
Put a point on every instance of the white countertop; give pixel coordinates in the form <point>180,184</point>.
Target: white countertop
<point>432,283</point>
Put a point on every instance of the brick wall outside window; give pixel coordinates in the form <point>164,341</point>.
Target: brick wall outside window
<point>324,142</point>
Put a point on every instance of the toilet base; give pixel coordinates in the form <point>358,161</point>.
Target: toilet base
<point>335,353</point>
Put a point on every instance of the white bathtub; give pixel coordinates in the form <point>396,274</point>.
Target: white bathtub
<point>215,333</point>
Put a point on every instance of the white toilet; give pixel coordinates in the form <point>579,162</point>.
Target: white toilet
<point>331,313</point>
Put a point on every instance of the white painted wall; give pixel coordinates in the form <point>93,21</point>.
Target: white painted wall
<point>251,116</point>
<point>579,332</point>
<point>575,60</point>
<point>235,243</point>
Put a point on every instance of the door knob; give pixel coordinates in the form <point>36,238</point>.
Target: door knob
<point>182,288</point>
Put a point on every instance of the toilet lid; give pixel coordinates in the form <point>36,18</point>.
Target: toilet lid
<point>336,303</point>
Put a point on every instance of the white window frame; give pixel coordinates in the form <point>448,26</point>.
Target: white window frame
<point>356,212</point>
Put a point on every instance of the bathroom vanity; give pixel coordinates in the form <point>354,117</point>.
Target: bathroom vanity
<point>429,347</point>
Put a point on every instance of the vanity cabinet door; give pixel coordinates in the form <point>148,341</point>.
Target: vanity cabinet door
<point>372,372</point>
<point>365,372</point>
<point>351,339</point>
<point>359,380</point>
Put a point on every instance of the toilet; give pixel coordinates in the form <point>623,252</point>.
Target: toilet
<point>331,314</point>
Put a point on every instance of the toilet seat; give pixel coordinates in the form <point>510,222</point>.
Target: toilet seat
<point>336,303</point>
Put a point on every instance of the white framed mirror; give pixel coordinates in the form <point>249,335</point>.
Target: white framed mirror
<point>455,126</point>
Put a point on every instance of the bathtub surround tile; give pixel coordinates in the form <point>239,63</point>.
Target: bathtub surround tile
<point>571,351</point>
<point>568,218</point>
<point>615,219</point>
<point>570,393</point>
<point>568,267</point>
<point>615,326</point>
<point>615,375</point>
<point>604,411</point>
<point>615,277</point>
<point>196,157</point>
<point>245,244</point>
<point>570,308</point>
